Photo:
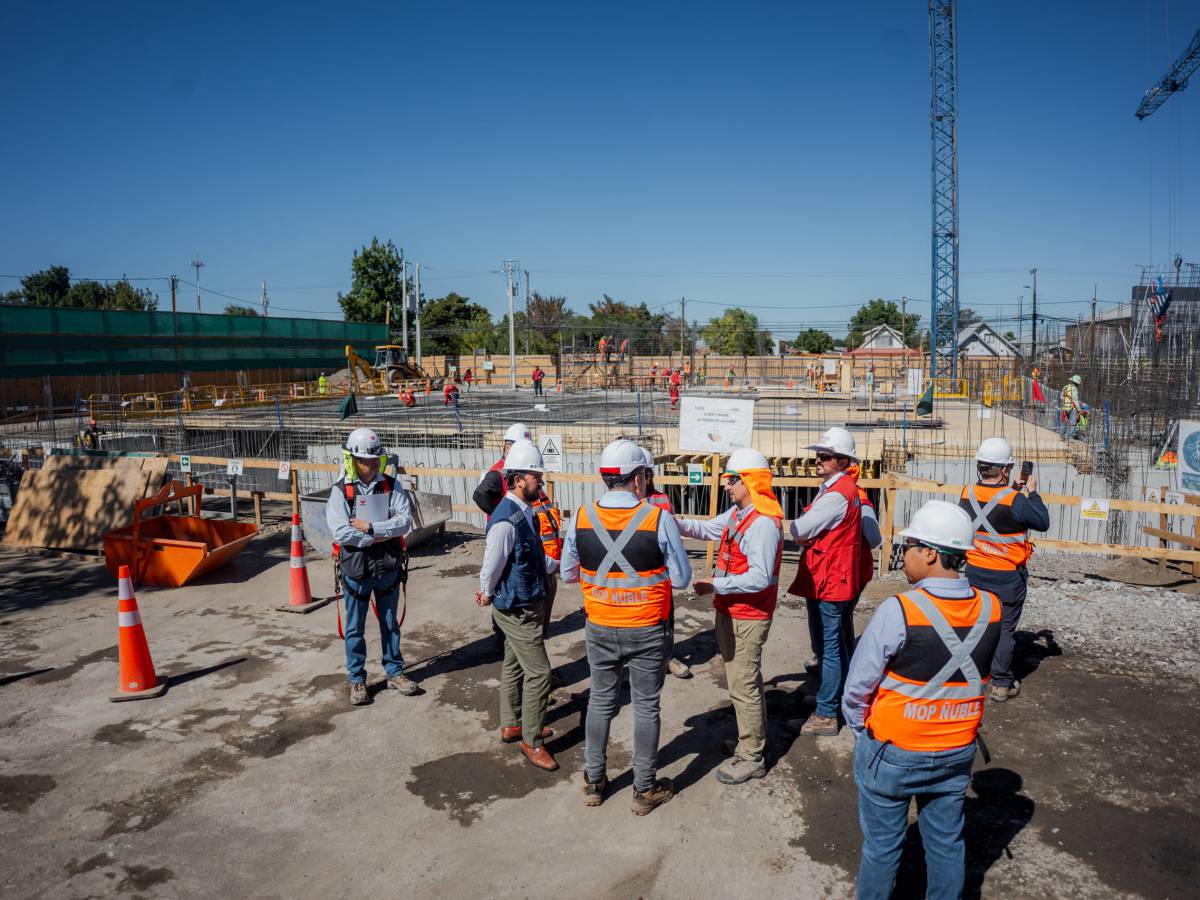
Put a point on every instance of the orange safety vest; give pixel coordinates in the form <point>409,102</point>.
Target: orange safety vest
<point>731,560</point>
<point>1000,542</point>
<point>549,521</point>
<point>931,695</point>
<point>622,570</point>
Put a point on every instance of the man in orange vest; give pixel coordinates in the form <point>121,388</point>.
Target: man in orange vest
<point>1002,518</point>
<point>914,700</point>
<point>744,589</point>
<point>655,497</point>
<point>832,574</point>
<point>627,556</point>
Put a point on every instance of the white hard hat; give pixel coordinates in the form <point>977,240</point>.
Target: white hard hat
<point>364,443</point>
<point>518,431</point>
<point>943,525</point>
<point>1077,379</point>
<point>649,457</point>
<point>744,459</point>
<point>523,456</point>
<point>996,451</point>
<point>837,441</point>
<point>622,457</point>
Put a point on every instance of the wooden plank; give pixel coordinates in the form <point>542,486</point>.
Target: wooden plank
<point>266,495</point>
<point>1164,536</point>
<point>1118,550</point>
<point>72,509</point>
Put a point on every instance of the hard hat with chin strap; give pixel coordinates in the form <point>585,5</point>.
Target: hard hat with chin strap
<point>837,441</point>
<point>943,526</point>
<point>518,431</point>
<point>622,457</point>
<point>364,443</point>
<point>995,450</point>
<point>523,456</point>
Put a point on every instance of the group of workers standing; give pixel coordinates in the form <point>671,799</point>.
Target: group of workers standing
<point>912,688</point>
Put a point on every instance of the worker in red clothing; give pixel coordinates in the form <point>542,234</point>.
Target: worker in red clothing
<point>450,394</point>
<point>538,377</point>
<point>407,397</point>
<point>655,497</point>
<point>468,377</point>
<point>675,382</point>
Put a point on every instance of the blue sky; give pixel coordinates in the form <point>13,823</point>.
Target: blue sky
<point>773,156</point>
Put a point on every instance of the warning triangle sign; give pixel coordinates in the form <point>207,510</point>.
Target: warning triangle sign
<point>550,448</point>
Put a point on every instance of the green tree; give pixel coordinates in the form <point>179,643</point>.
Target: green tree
<point>455,325</point>
<point>375,282</point>
<point>48,287</point>
<point>967,317</point>
<point>647,331</point>
<point>233,309</point>
<point>736,333</point>
<point>1009,336</point>
<point>813,340</point>
<point>97,295</point>
<point>123,295</point>
<point>881,312</point>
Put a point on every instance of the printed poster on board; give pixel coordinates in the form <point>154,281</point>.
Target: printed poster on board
<point>1189,454</point>
<point>709,425</point>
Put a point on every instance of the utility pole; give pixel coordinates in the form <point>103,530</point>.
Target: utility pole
<point>904,321</point>
<point>175,325</point>
<point>526,311</point>
<point>1020,320</point>
<point>404,304</point>
<point>417,307</point>
<point>1092,354</point>
<point>198,264</point>
<point>1033,352</point>
<point>266,301</point>
<point>509,267</point>
<point>682,326</point>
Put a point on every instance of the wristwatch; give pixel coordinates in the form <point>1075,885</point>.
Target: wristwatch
<point>371,529</point>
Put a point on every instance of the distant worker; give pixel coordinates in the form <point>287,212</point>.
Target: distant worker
<point>653,373</point>
<point>323,384</point>
<point>602,345</point>
<point>368,515</point>
<point>656,497</point>
<point>468,377</point>
<point>675,382</point>
<point>687,371</point>
<point>1069,417</point>
<point>89,438</point>
<point>538,376</point>
<point>914,700</point>
<point>450,394</point>
<point>831,575</point>
<point>407,397</point>
<point>624,349</point>
<point>609,347</point>
<point>627,556</point>
<point>513,582</point>
<point>745,590</point>
<point>1002,518</point>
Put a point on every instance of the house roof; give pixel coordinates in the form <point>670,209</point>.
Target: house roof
<point>976,331</point>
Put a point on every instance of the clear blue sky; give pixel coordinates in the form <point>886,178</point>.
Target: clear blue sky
<point>773,156</point>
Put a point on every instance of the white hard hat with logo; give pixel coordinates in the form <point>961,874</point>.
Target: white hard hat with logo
<point>745,459</point>
<point>622,457</point>
<point>364,443</point>
<point>518,431</point>
<point>837,441</point>
<point>995,450</point>
<point>942,525</point>
<point>523,456</point>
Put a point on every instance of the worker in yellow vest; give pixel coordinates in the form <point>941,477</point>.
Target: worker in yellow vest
<point>1071,408</point>
<point>914,700</point>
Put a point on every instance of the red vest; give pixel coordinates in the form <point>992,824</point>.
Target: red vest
<point>732,561</point>
<point>831,568</point>
<point>661,500</point>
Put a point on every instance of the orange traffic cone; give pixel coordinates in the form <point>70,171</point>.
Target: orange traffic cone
<point>137,678</point>
<point>300,598</point>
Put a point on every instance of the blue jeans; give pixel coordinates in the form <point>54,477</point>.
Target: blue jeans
<point>610,651</point>
<point>831,630</point>
<point>888,778</point>
<point>358,605</point>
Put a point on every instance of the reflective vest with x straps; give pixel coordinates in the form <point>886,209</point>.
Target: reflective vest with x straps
<point>1001,543</point>
<point>622,570</point>
<point>931,696</point>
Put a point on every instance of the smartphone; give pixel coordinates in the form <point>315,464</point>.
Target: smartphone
<point>1026,471</point>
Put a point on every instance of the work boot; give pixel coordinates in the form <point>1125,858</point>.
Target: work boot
<point>660,792</point>
<point>679,668</point>
<point>819,726</point>
<point>403,684</point>
<point>1001,692</point>
<point>510,734</point>
<point>539,756</point>
<point>738,770</point>
<point>358,694</point>
<point>593,791</point>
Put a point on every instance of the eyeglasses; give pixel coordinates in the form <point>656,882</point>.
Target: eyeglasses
<point>733,479</point>
<point>825,457</point>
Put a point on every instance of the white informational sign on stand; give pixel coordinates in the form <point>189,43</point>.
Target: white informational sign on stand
<point>550,446</point>
<point>285,471</point>
<point>830,366</point>
<point>915,377</point>
<point>234,467</point>
<point>708,425</point>
<point>1189,454</point>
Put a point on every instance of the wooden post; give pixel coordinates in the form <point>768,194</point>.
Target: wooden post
<point>888,525</point>
<point>712,502</point>
<point>294,478</point>
<point>1163,525</point>
<point>257,495</point>
<point>550,488</point>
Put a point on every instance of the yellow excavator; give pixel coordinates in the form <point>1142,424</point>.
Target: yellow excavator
<point>391,368</point>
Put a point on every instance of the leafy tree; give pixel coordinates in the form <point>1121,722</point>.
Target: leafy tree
<point>233,309</point>
<point>736,333</point>
<point>648,331</point>
<point>813,340</point>
<point>455,325</point>
<point>123,295</point>
<point>375,282</point>
<point>1009,336</point>
<point>881,312</point>
<point>48,287</point>
<point>540,327</point>
<point>967,317</point>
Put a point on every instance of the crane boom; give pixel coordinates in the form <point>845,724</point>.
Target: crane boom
<point>943,125</point>
<point>1175,80</point>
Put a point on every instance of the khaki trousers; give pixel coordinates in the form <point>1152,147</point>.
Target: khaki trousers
<point>740,642</point>
<point>525,675</point>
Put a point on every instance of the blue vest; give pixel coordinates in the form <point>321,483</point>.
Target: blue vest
<point>523,581</point>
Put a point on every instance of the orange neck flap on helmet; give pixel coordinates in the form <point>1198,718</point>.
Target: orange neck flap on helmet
<point>758,483</point>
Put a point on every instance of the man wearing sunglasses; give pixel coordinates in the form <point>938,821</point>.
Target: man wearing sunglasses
<point>834,568</point>
<point>745,589</point>
<point>914,700</point>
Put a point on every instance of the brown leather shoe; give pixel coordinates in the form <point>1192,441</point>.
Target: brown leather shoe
<point>510,734</point>
<point>539,756</point>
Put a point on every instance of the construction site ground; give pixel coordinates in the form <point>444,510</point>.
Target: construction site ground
<point>253,777</point>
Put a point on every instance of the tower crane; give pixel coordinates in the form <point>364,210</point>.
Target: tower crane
<point>943,125</point>
<point>1175,80</point>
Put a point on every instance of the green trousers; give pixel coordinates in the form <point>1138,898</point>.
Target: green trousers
<point>525,676</point>
<point>740,642</point>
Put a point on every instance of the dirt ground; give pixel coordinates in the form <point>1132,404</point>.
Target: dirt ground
<point>252,777</point>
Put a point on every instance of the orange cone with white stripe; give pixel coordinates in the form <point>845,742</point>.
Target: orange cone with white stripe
<point>137,678</point>
<point>300,598</point>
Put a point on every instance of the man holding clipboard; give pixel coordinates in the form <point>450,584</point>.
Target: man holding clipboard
<point>368,514</point>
